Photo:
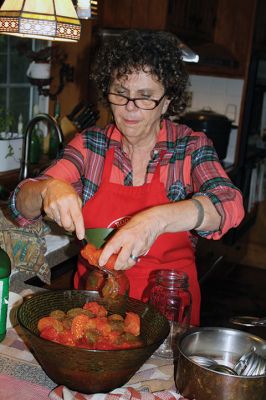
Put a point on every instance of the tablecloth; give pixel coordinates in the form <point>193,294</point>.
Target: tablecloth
<point>17,389</point>
<point>22,378</point>
<point>153,381</point>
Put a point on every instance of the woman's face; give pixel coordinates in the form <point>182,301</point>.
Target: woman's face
<point>135,123</point>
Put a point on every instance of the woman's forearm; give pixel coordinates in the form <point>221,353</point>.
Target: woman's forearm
<point>57,199</point>
<point>187,215</point>
<point>29,201</point>
<point>140,232</point>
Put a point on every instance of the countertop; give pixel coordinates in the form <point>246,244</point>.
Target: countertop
<point>60,245</point>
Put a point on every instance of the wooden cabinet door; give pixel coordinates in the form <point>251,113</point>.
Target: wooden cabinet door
<point>115,13</point>
<point>149,14</point>
<point>193,19</point>
<point>142,14</point>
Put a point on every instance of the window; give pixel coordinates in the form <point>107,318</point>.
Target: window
<point>17,96</point>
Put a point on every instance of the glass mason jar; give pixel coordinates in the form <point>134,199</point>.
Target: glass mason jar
<point>109,286</point>
<point>169,294</point>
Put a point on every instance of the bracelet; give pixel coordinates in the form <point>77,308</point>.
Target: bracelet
<point>200,212</point>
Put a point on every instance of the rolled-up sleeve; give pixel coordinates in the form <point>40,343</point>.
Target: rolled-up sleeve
<point>68,167</point>
<point>18,217</point>
<point>210,179</point>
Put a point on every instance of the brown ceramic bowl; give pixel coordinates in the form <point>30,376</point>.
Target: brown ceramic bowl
<point>83,370</point>
<point>226,346</point>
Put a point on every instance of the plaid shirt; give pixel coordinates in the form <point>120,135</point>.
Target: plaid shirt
<point>189,167</point>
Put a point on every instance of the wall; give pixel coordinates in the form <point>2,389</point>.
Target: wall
<point>222,95</point>
<point>78,56</point>
<point>218,93</point>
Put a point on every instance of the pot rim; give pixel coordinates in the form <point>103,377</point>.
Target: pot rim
<point>194,330</point>
<point>207,115</point>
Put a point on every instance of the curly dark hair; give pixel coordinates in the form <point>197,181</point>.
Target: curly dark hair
<point>135,50</point>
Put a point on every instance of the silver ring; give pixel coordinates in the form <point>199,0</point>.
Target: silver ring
<point>134,258</point>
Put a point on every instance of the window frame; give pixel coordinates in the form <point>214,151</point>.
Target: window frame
<point>34,98</point>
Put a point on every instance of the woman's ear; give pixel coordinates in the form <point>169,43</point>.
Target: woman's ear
<point>165,105</point>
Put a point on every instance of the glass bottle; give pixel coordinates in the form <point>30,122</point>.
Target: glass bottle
<point>169,294</point>
<point>5,270</point>
<point>35,147</point>
<point>20,125</point>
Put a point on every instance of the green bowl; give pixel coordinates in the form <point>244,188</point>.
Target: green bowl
<point>83,370</point>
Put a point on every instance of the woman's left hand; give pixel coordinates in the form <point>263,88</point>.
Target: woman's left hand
<point>135,238</point>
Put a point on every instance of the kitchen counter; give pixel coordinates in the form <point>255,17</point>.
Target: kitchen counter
<point>24,281</point>
<point>36,248</point>
<point>60,246</point>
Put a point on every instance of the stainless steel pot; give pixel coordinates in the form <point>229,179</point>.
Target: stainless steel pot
<point>224,346</point>
<point>216,126</point>
<point>251,324</point>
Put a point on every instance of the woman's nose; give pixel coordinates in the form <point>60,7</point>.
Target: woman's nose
<point>131,105</point>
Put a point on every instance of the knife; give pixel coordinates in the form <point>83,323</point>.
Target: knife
<point>75,110</point>
<point>98,237</point>
<point>84,118</point>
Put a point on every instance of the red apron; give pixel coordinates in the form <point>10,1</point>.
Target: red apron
<point>114,203</point>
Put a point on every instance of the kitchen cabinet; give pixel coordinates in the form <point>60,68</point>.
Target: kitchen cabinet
<point>192,19</point>
<point>140,14</point>
<point>228,54</point>
<point>220,31</point>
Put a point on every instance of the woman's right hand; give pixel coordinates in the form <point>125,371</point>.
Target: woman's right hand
<point>62,204</point>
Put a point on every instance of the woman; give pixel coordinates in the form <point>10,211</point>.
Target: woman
<point>158,182</point>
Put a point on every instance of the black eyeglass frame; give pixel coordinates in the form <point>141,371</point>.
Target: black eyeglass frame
<point>157,102</point>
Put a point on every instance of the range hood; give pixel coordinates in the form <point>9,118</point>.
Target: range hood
<point>188,55</point>
<point>214,54</point>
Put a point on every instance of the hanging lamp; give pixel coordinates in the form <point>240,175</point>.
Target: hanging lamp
<point>40,19</point>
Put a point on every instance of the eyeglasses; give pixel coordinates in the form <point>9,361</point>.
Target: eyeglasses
<point>144,104</point>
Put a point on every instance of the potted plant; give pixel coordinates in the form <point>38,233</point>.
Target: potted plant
<point>6,121</point>
<point>10,142</point>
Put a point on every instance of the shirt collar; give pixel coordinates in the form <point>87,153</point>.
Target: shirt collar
<point>115,138</point>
